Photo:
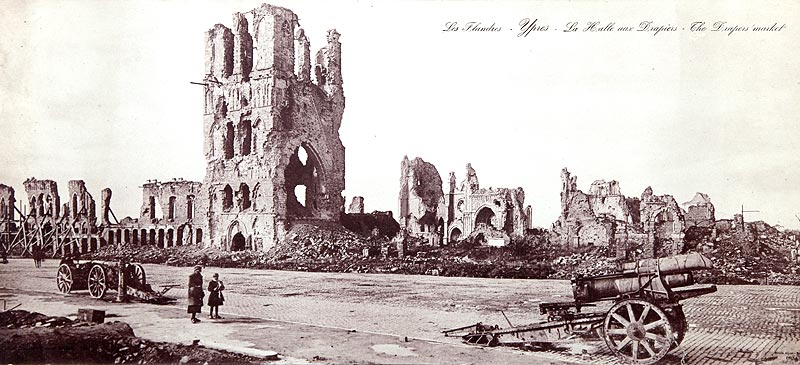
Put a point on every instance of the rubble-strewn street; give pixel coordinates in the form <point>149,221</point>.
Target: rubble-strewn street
<point>350,314</point>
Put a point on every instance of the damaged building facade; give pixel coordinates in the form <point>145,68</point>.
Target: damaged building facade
<point>467,212</point>
<point>74,228</point>
<point>651,225</point>
<point>272,142</point>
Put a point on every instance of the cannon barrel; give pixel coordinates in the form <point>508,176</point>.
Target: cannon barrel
<point>598,288</point>
<point>669,265</point>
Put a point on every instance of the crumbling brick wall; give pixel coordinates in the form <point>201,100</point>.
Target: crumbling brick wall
<point>700,211</point>
<point>272,141</point>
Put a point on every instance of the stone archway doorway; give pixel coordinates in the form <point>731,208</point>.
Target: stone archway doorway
<point>238,242</point>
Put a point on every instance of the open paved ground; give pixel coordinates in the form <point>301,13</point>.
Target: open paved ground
<point>366,318</point>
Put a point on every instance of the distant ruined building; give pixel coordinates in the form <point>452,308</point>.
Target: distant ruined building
<point>489,216</point>
<point>652,225</point>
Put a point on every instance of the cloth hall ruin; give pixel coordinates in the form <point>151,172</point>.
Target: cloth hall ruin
<point>271,119</point>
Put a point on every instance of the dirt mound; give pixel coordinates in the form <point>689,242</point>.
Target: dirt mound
<point>27,337</point>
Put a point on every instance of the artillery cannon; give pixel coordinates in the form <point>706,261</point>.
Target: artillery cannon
<point>100,276</point>
<point>644,323</point>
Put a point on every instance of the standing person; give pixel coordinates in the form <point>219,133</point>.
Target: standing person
<point>215,297</point>
<point>196,293</point>
<point>36,253</point>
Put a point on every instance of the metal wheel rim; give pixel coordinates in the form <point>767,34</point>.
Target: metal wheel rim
<point>64,279</point>
<point>97,281</point>
<point>638,331</point>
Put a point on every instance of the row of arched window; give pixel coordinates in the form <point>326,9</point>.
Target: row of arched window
<point>243,133</point>
<point>172,206</point>
<point>243,197</point>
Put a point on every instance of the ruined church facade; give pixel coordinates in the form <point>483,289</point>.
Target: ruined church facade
<point>488,216</point>
<point>271,139</point>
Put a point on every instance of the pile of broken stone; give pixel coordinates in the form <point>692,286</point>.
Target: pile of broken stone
<point>30,337</point>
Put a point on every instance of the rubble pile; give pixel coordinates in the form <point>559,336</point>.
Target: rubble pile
<point>29,337</point>
<point>591,263</point>
<point>323,241</point>
<point>328,247</point>
<point>760,254</point>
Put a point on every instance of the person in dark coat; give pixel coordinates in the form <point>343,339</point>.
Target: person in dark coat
<point>215,297</point>
<point>38,255</point>
<point>196,293</point>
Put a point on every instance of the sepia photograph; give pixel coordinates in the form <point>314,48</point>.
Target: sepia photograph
<point>399,182</point>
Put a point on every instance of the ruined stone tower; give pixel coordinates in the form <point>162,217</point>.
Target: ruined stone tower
<point>271,132</point>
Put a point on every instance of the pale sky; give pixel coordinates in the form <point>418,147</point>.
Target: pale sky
<point>99,90</point>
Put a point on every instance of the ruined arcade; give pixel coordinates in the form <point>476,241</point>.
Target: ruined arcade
<point>271,129</point>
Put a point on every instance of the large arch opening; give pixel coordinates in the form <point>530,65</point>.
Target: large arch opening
<point>304,177</point>
<point>33,206</point>
<point>238,242</point>
<point>484,216</point>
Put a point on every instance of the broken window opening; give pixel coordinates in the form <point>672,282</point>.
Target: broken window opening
<point>227,198</point>
<point>244,192</point>
<point>190,207</point>
<point>300,193</point>
<point>41,204</point>
<point>152,206</point>
<point>246,131</point>
<point>74,205</point>
<point>3,209</point>
<point>199,237</point>
<point>33,206</point>
<point>455,235</point>
<point>303,182</point>
<point>171,209</point>
<point>229,138</point>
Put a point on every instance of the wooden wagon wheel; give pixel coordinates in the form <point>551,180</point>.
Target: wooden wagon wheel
<point>97,281</point>
<point>638,331</point>
<point>64,278</point>
<point>139,275</point>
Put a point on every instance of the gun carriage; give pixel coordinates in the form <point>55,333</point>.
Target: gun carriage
<point>644,323</point>
<point>99,276</point>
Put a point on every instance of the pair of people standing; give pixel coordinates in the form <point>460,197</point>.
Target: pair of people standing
<point>196,294</point>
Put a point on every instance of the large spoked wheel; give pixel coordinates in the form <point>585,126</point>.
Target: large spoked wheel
<point>64,279</point>
<point>97,281</point>
<point>638,331</point>
<point>138,275</point>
